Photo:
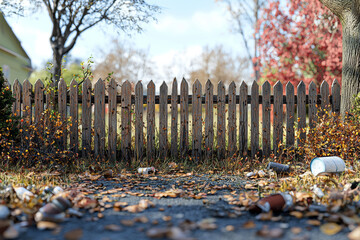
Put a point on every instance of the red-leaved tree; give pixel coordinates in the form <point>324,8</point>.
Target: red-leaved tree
<point>300,40</point>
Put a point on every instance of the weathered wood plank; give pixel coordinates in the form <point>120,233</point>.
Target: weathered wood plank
<point>74,112</point>
<point>336,98</point>
<point>290,115</point>
<point>278,117</point>
<point>232,148</point>
<point>62,104</point>
<point>209,119</point>
<point>99,119</point>
<point>184,117</point>
<point>50,96</point>
<point>312,105</point>
<point>139,121</point>
<point>197,120</point>
<point>112,108</point>
<point>27,107</point>
<point>174,120</point>
<point>39,100</point>
<point>301,112</point>
<point>150,151</point>
<point>126,122</point>
<point>86,118</point>
<point>221,123</point>
<point>254,119</point>
<point>266,127</point>
<point>17,93</point>
<point>163,121</point>
<point>325,102</point>
<point>243,120</point>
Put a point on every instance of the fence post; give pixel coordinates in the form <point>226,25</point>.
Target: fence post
<point>324,92</point>
<point>221,123</point>
<point>290,115</point>
<point>174,120</point>
<point>150,122</point>
<point>232,148</point>
<point>17,91</point>
<point>112,108</point>
<point>27,107</point>
<point>62,97</point>
<point>209,118</point>
<point>86,118</point>
<point>266,111</point>
<point>126,122</point>
<point>39,100</point>
<point>139,121</point>
<point>243,120</point>
<point>163,121</point>
<point>99,119</point>
<point>254,119</point>
<point>312,105</point>
<point>301,112</point>
<point>74,134</point>
<point>278,117</point>
<point>197,120</point>
<point>184,117</point>
<point>335,92</point>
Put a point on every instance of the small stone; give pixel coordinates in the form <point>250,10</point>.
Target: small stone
<point>4,212</point>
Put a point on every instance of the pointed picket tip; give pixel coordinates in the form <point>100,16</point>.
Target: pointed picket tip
<point>127,84</point>
<point>197,82</point>
<point>27,82</point>
<point>39,83</point>
<point>151,84</point>
<point>163,85</point>
<point>266,84</point>
<point>183,81</point>
<point>208,83</point>
<point>73,83</point>
<point>278,84</point>
<point>301,84</point>
<point>220,83</point>
<point>174,81</point>
<point>86,82</point>
<point>243,85</point>
<point>138,84</point>
<point>16,82</point>
<point>324,84</point>
<point>232,85</point>
<point>312,85</point>
<point>289,85</point>
<point>254,84</point>
<point>335,83</point>
<point>99,82</point>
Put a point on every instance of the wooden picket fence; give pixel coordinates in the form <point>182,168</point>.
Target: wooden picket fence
<point>32,103</point>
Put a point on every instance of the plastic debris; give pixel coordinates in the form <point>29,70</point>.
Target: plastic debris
<point>147,170</point>
<point>327,165</point>
<point>275,202</point>
<point>4,212</point>
<point>23,194</point>
<point>318,192</point>
<point>278,168</point>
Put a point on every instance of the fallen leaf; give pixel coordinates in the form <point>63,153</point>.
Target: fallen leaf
<point>157,232</point>
<point>296,230</point>
<point>270,233</point>
<point>296,214</point>
<point>167,218</point>
<point>330,228</point>
<point>43,225</point>
<point>75,234</point>
<point>229,228</point>
<point>314,222</point>
<point>207,224</point>
<point>127,222</point>
<point>249,225</point>
<point>113,227</point>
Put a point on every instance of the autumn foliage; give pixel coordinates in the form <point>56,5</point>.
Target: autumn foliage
<point>301,40</point>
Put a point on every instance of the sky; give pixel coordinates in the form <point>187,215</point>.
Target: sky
<point>183,28</point>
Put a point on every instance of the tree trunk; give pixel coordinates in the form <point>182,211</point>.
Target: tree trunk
<point>57,59</point>
<point>351,61</point>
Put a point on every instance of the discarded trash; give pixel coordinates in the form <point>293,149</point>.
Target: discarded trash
<point>326,165</point>
<point>318,192</point>
<point>4,212</point>
<point>147,170</point>
<point>276,202</point>
<point>54,211</point>
<point>279,168</point>
<point>250,174</point>
<point>23,193</point>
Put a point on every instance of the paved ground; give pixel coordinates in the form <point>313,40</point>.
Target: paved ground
<point>184,212</point>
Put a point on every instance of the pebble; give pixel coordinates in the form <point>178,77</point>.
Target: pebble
<point>4,212</point>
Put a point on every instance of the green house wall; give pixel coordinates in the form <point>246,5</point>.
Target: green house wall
<point>12,55</point>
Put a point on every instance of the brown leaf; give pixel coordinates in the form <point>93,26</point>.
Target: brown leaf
<point>43,225</point>
<point>229,228</point>
<point>330,228</point>
<point>113,227</point>
<point>270,233</point>
<point>296,214</point>
<point>249,224</point>
<point>75,234</point>
<point>296,230</point>
<point>127,222</point>
<point>108,173</point>
<point>207,224</point>
<point>314,222</point>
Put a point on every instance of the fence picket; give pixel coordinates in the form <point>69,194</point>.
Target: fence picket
<point>126,122</point>
<point>74,134</point>
<point>197,120</point>
<point>312,105</point>
<point>266,111</point>
<point>50,96</point>
<point>254,119</point>
<point>139,121</point>
<point>278,117</point>
<point>163,121</point>
<point>86,118</point>
<point>27,107</point>
<point>324,92</point>
<point>335,92</point>
<point>290,115</point>
<point>150,122</point>
<point>62,104</point>
<point>39,100</point>
<point>221,124</point>
<point>99,119</point>
<point>243,119</point>
<point>209,119</point>
<point>184,117</point>
<point>17,92</point>
<point>174,120</point>
<point>301,112</point>
<point>112,108</point>
<point>232,148</point>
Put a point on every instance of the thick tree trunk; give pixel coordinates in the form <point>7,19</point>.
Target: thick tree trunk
<point>351,61</point>
<point>56,71</point>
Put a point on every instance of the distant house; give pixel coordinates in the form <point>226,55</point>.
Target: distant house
<point>14,61</point>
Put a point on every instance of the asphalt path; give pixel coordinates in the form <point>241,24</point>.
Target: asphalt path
<point>180,213</point>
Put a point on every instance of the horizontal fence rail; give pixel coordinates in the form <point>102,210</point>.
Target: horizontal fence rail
<point>222,125</point>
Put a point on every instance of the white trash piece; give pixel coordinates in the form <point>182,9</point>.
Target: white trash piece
<point>57,190</point>
<point>23,193</point>
<point>318,192</point>
<point>146,170</point>
<point>323,165</point>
